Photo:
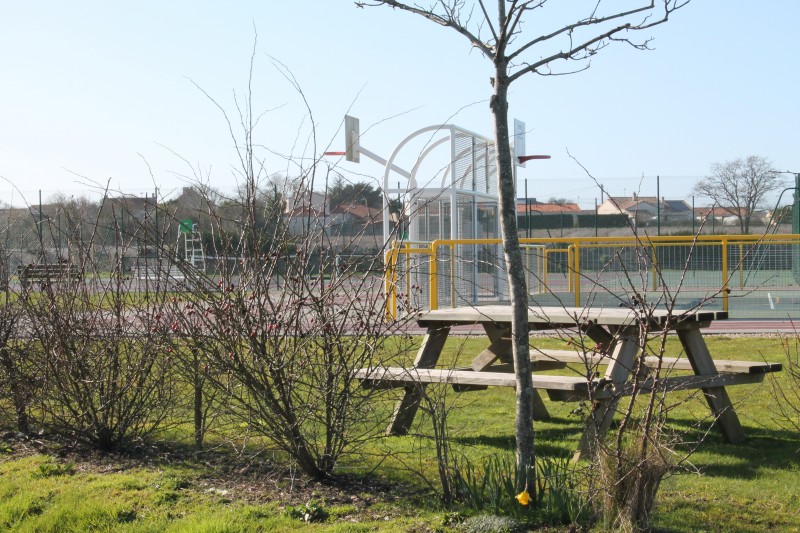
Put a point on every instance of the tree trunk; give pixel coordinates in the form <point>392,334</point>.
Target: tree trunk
<point>516,277</point>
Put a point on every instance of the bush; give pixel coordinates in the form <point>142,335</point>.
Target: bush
<point>107,374</point>
<point>629,479</point>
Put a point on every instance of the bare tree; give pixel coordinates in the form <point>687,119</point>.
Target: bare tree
<point>739,186</point>
<point>578,33</point>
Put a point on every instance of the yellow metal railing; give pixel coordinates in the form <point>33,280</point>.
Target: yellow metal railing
<point>573,247</point>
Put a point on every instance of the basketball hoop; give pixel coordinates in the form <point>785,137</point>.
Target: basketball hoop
<point>334,153</point>
<point>524,158</point>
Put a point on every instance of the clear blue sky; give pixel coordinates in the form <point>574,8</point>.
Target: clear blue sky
<point>93,91</point>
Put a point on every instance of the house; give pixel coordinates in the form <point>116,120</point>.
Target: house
<point>676,210</point>
<point>729,216</point>
<point>352,219</point>
<point>315,201</point>
<point>534,206</point>
<point>130,205</point>
<point>645,208</point>
<point>638,208</point>
<point>302,220</point>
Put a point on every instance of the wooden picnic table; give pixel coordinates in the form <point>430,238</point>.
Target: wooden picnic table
<point>616,333</point>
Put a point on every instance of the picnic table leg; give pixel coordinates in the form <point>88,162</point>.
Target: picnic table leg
<point>717,397</point>
<point>501,348</point>
<point>428,354</point>
<point>618,371</point>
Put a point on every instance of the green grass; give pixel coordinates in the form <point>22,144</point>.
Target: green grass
<point>751,487</point>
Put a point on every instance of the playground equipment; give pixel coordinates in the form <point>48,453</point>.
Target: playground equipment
<point>190,245</point>
<point>450,192</point>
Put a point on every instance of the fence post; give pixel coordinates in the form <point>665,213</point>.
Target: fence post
<point>391,290</point>
<point>434,281</point>
<point>452,275</point>
<point>741,267</point>
<point>725,289</point>
<point>576,259</point>
<point>654,261</point>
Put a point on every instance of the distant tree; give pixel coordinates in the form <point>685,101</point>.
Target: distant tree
<point>559,201</point>
<point>342,192</point>
<point>739,186</point>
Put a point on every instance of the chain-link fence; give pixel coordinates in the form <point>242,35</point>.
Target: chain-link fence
<point>748,276</point>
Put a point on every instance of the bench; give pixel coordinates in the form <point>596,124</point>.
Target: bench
<point>558,388</point>
<point>553,359</point>
<point>48,273</point>
<point>616,333</point>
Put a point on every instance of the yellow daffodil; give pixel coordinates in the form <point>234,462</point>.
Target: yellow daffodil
<point>523,497</point>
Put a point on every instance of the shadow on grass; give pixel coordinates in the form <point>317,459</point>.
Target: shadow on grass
<point>505,443</point>
<point>763,448</point>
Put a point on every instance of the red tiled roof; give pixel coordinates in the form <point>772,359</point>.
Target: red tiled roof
<point>719,211</point>
<point>549,208</point>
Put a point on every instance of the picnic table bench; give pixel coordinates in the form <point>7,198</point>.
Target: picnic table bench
<point>48,273</point>
<point>616,333</point>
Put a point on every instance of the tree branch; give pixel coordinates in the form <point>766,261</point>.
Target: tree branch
<point>448,21</point>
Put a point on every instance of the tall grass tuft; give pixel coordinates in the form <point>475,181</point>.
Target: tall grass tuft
<point>491,487</point>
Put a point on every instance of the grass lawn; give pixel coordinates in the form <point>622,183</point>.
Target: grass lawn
<point>753,486</point>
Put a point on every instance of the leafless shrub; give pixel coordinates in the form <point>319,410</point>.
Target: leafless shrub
<point>280,326</point>
<point>17,369</point>
<point>102,355</point>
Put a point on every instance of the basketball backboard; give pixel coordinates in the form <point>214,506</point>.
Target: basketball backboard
<point>352,135</point>
<point>519,142</point>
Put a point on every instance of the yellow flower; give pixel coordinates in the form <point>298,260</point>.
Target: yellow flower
<point>523,497</point>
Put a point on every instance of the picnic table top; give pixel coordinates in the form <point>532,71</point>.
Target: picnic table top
<point>564,316</point>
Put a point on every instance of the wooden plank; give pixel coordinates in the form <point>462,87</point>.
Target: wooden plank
<point>716,397</point>
<point>406,407</point>
<point>561,389</point>
<point>569,356</point>
<point>617,372</point>
<point>469,377</point>
<point>694,381</point>
<point>501,347</point>
<point>564,316</point>
<point>668,363</point>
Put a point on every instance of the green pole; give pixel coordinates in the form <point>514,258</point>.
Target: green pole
<point>796,206</point>
<point>796,228</point>
<point>41,242</point>
<point>658,204</point>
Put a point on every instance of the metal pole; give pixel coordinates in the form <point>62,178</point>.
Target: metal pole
<point>58,232</point>
<point>41,242</point>
<point>658,204</point>
<point>693,217</point>
<point>155,212</point>
<point>796,205</point>
<point>713,220</point>
<point>595,215</point>
<point>527,212</point>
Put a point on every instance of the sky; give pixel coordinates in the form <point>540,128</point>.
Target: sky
<point>131,96</point>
